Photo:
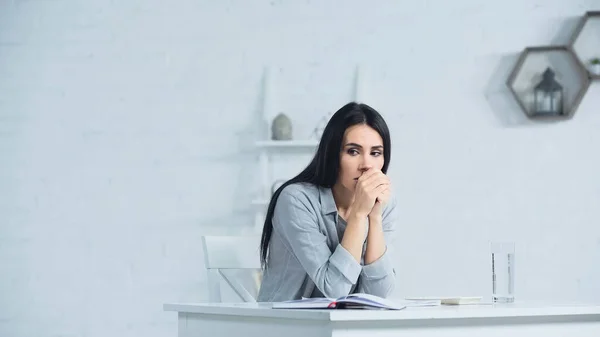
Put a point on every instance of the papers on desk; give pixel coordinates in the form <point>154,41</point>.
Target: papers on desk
<point>366,301</point>
<point>352,301</point>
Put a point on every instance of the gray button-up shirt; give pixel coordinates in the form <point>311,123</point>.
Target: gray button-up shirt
<point>306,258</point>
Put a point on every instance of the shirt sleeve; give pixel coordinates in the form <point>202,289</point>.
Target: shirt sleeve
<point>334,273</point>
<point>379,277</point>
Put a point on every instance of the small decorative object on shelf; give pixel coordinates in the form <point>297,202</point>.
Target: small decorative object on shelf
<point>595,66</point>
<point>548,95</point>
<point>281,129</point>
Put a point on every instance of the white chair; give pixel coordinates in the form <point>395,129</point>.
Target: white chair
<point>230,253</point>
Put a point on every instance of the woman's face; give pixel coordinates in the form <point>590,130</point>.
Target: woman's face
<point>362,148</point>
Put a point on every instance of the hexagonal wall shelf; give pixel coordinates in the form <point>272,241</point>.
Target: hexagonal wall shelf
<point>585,43</point>
<point>544,69</point>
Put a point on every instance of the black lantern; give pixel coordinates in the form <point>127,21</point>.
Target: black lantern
<point>548,96</point>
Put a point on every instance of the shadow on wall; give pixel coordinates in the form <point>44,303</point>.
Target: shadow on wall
<point>501,101</point>
<point>566,30</point>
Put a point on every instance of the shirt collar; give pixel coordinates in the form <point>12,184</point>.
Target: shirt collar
<point>327,202</point>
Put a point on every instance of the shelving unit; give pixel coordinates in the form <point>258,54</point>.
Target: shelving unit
<point>263,202</point>
<point>266,147</point>
<point>290,144</point>
<point>529,70</point>
<point>569,63</point>
<point>585,41</point>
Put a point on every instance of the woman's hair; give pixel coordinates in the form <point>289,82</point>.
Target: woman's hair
<point>324,167</point>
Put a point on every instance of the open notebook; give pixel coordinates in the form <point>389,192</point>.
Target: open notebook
<point>352,301</point>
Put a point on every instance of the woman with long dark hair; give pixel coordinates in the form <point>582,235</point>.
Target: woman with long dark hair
<point>329,230</point>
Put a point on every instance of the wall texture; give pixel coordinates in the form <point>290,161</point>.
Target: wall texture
<point>127,129</point>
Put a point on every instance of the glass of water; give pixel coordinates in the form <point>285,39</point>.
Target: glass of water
<point>503,272</point>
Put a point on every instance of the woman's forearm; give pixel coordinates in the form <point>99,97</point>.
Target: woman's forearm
<point>376,245</point>
<point>354,235</point>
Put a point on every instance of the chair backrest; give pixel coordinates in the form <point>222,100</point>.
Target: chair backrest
<point>230,252</point>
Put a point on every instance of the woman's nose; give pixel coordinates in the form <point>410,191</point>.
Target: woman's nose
<point>364,168</point>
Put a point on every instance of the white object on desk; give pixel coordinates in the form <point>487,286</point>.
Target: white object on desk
<point>258,319</point>
<point>460,300</point>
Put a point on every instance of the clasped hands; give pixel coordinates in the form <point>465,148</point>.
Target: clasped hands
<point>371,194</point>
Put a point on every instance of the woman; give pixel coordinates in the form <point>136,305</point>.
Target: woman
<point>328,231</point>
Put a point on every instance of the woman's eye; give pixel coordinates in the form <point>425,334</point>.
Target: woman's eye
<point>352,151</point>
<point>375,153</point>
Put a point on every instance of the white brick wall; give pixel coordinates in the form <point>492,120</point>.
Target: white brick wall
<point>126,130</point>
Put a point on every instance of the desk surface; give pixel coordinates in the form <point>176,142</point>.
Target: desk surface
<point>534,311</point>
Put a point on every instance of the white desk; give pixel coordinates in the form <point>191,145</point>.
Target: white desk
<point>260,320</point>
